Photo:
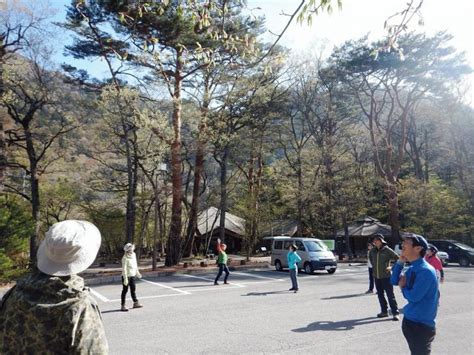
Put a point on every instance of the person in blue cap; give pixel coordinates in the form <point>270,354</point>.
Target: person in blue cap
<point>419,286</point>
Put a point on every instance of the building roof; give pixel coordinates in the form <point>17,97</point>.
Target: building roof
<point>208,221</point>
<point>366,226</point>
<point>285,227</point>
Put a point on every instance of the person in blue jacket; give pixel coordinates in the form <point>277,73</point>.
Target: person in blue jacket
<point>293,260</point>
<point>419,285</point>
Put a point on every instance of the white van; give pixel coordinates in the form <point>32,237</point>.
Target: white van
<point>314,254</point>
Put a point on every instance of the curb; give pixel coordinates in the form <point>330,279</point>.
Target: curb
<point>102,280</point>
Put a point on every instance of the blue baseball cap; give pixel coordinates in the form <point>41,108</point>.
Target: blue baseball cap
<point>418,240</point>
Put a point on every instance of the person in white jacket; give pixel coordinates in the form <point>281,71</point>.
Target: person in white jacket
<point>129,274</point>
<point>369,266</point>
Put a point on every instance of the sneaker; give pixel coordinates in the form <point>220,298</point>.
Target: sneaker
<point>137,305</point>
<point>291,289</point>
<point>369,291</point>
<point>396,317</point>
<point>123,308</point>
<point>296,290</point>
<point>382,315</point>
<point>216,283</point>
<point>226,283</point>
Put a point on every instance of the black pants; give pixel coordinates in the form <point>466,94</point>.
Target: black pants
<point>222,268</point>
<point>384,285</point>
<point>371,279</point>
<point>419,337</point>
<point>131,283</point>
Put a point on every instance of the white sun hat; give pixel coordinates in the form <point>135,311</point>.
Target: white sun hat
<point>68,248</point>
<point>129,247</point>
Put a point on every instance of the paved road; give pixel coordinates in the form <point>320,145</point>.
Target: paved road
<point>256,314</point>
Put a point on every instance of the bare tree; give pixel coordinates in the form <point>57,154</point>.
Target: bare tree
<point>34,96</point>
<point>18,20</point>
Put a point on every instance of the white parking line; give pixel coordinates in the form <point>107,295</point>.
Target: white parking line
<point>250,283</point>
<point>339,270</point>
<point>196,277</point>
<point>256,276</point>
<point>99,296</point>
<point>156,296</point>
<point>217,288</point>
<point>232,285</point>
<point>168,287</point>
<point>208,279</point>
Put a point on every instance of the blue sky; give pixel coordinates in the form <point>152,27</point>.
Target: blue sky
<point>356,19</point>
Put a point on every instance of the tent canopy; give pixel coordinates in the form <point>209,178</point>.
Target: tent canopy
<point>208,221</point>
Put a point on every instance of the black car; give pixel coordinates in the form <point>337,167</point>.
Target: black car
<point>458,252</point>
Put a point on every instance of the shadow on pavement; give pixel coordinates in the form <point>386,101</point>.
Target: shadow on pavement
<point>265,293</point>
<point>348,296</point>
<point>111,311</point>
<point>341,325</point>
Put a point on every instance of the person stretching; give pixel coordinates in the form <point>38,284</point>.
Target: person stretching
<point>221,262</point>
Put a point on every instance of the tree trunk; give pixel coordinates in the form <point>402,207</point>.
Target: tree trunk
<point>35,198</point>
<point>255,185</point>
<point>192,224</point>
<point>346,237</point>
<point>173,254</point>
<point>130,215</point>
<point>299,231</point>
<point>155,227</point>
<point>392,195</point>
<point>198,169</point>
<point>3,153</point>
<point>251,205</point>
<point>415,150</point>
<point>223,204</point>
<point>427,176</point>
<point>143,227</point>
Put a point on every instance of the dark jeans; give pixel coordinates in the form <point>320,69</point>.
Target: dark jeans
<point>222,268</point>
<point>384,285</point>
<point>371,279</point>
<point>294,278</point>
<point>131,283</point>
<point>419,337</point>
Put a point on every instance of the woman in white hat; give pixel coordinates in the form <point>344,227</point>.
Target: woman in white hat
<point>50,311</point>
<point>129,273</point>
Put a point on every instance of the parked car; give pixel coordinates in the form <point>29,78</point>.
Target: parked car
<point>458,252</point>
<point>314,254</point>
<point>444,257</point>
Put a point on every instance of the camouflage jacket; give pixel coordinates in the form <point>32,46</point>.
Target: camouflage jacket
<point>45,314</point>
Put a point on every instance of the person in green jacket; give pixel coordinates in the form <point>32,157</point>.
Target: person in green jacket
<point>221,262</point>
<point>380,257</point>
<point>50,311</point>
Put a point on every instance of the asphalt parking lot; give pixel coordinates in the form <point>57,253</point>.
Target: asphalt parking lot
<point>256,314</point>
